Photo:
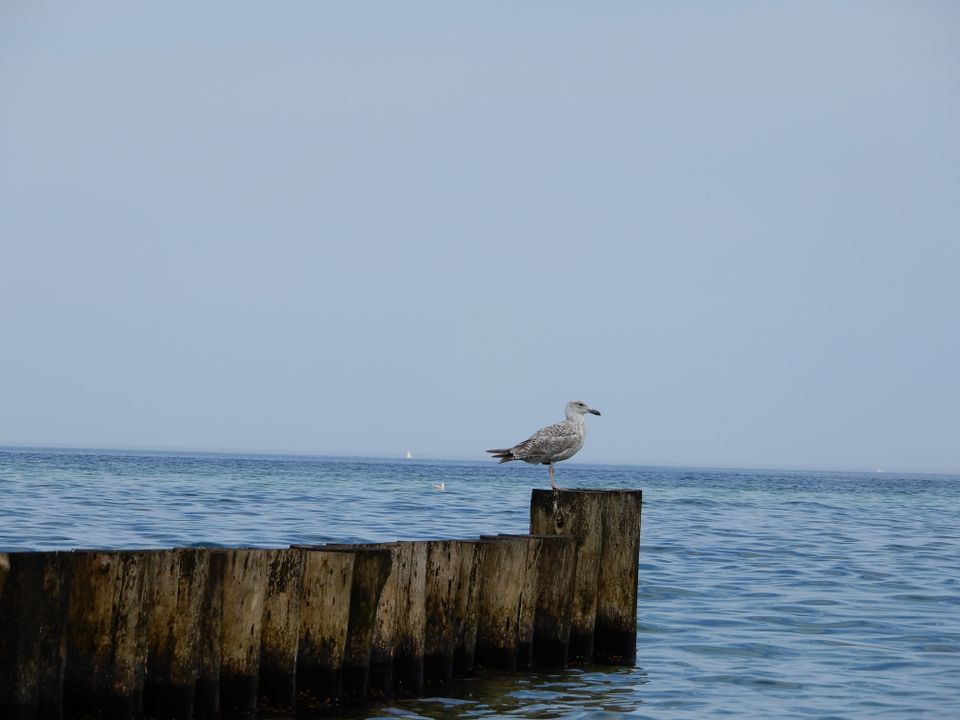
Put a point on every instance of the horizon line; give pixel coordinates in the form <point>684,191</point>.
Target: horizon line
<point>400,457</point>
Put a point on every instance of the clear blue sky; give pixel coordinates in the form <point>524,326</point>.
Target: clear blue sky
<point>369,228</point>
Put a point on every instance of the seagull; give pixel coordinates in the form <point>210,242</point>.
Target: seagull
<point>554,443</point>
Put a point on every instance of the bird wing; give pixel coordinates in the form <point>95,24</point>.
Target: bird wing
<point>548,442</point>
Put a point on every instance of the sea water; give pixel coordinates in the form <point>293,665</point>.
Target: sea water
<point>762,594</point>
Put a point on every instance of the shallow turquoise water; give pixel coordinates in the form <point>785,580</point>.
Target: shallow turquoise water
<point>762,594</point>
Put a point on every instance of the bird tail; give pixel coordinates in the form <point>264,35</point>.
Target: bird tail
<point>503,454</point>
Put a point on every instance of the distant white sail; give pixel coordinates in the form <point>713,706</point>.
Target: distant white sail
<point>409,456</point>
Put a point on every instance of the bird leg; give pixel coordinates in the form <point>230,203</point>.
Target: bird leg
<point>552,483</point>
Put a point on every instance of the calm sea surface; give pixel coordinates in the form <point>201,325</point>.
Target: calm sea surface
<point>762,594</point>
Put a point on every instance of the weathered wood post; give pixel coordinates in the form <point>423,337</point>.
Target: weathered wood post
<point>161,575</point>
<point>174,594</point>
<point>606,526</point>
<point>437,659</point>
<point>556,572</point>
<point>528,599</point>
<point>576,513</point>
<point>280,634</point>
<point>33,613</point>
<point>206,696</point>
<point>615,633</point>
<point>396,653</point>
<point>466,608</point>
<point>324,620</point>
<point>106,643</point>
<point>380,673</point>
<point>409,563</point>
<point>442,587</point>
<point>244,592</point>
<point>9,645</point>
<point>371,569</point>
<point>502,583</point>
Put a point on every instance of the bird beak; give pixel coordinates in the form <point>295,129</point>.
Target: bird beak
<point>595,412</point>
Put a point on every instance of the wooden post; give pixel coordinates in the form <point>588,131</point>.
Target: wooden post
<point>396,653</point>
<point>528,599</point>
<point>504,571</point>
<point>10,697</point>
<point>206,696</point>
<point>556,572</point>
<point>33,613</point>
<point>175,589</point>
<point>370,572</point>
<point>280,636</point>
<point>580,514</point>
<point>106,644</point>
<point>380,679</point>
<point>606,525</point>
<point>371,568</point>
<point>615,634</point>
<point>410,564</point>
<point>160,698</point>
<point>324,618</point>
<point>466,607</point>
<point>441,590</point>
<point>244,592</point>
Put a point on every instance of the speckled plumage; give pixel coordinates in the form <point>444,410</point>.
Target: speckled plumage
<point>554,443</point>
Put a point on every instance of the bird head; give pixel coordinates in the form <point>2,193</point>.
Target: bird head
<point>578,407</point>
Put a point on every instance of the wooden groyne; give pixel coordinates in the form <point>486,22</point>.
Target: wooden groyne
<point>212,633</point>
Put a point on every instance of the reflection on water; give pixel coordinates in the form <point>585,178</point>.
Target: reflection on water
<point>598,692</point>
<point>762,594</point>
